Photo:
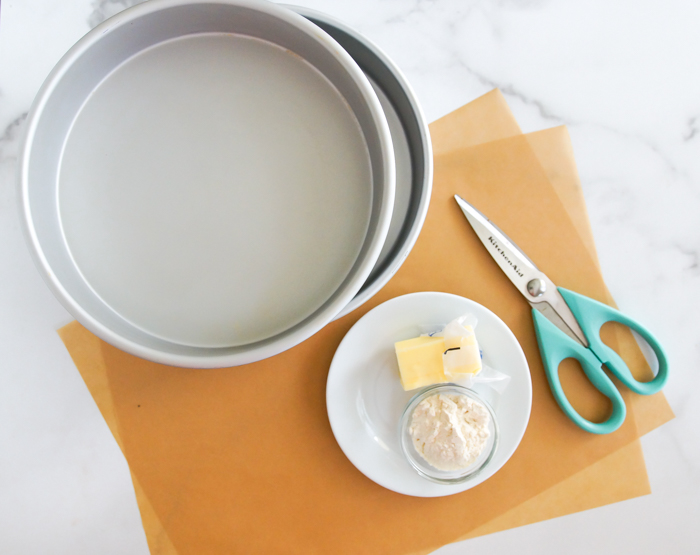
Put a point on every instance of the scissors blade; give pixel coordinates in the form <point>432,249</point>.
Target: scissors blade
<point>533,284</point>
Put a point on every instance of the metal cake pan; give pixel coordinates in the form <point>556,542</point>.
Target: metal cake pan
<point>412,150</point>
<point>151,194</point>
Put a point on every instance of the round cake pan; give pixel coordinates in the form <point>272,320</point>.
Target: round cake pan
<point>206,183</point>
<point>412,150</point>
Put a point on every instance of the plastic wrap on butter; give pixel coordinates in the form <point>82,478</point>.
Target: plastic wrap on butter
<point>462,357</point>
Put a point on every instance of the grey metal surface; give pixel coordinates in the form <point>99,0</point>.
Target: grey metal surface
<point>522,272</point>
<point>414,167</point>
<point>82,70</point>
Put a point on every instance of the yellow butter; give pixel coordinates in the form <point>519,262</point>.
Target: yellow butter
<point>420,361</point>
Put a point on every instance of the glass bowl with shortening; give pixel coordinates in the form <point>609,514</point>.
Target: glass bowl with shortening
<point>448,433</point>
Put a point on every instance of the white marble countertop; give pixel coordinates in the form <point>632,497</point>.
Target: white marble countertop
<point>623,76</point>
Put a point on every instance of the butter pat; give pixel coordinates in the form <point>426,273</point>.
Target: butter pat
<point>420,361</point>
<point>451,355</point>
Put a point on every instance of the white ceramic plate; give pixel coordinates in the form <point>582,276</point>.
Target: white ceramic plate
<point>365,399</point>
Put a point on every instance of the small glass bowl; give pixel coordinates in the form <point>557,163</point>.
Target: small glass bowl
<point>422,466</point>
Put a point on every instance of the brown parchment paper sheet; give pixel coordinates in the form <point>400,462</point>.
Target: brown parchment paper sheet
<point>488,118</point>
<point>243,460</point>
<point>621,475</point>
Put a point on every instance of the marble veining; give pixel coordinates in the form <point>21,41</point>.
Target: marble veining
<point>103,9</point>
<point>692,129</point>
<point>621,75</point>
<point>10,138</point>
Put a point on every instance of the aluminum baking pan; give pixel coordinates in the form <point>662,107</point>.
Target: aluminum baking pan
<point>412,146</point>
<point>206,183</point>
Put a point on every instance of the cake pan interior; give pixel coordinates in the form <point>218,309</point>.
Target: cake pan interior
<point>206,183</point>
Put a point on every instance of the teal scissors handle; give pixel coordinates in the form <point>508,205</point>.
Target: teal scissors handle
<point>555,346</point>
<point>591,316</point>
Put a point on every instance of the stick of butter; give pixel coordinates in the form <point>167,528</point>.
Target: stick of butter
<point>450,355</point>
<point>420,361</point>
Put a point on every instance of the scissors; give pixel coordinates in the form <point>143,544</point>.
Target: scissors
<point>568,326</point>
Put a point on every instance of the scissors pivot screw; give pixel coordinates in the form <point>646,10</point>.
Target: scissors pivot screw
<point>536,287</point>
